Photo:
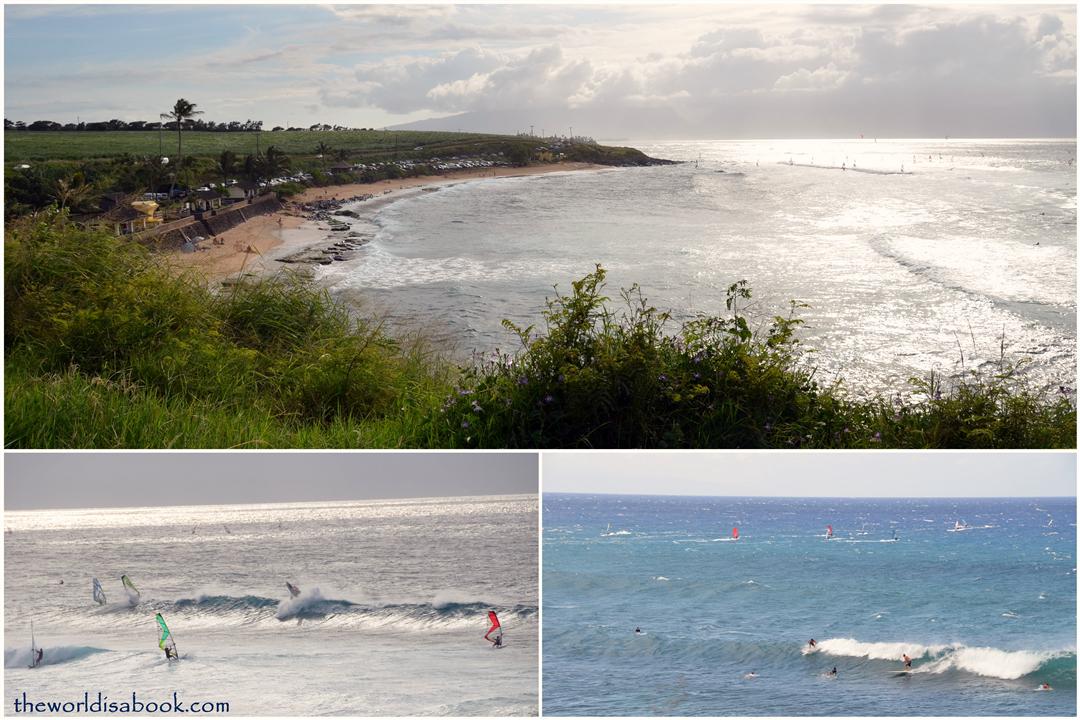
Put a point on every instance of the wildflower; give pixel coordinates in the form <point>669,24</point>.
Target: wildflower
<point>1064,390</point>
<point>464,424</point>
<point>662,378</point>
<point>548,399</point>
<point>697,376</point>
<point>523,380</point>
<point>876,438</point>
<point>476,407</point>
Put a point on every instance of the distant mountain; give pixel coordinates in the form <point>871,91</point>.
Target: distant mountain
<point>645,123</point>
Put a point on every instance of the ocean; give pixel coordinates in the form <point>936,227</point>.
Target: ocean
<point>390,619</point>
<point>988,613</point>
<point>971,249</point>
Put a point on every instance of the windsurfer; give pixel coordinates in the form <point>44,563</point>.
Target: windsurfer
<point>38,657</point>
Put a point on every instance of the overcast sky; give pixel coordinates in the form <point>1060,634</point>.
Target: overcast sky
<point>79,480</point>
<point>815,474</point>
<point>645,71</point>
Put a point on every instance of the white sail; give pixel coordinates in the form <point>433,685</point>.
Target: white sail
<point>99,593</point>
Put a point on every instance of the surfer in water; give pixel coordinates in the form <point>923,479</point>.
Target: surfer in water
<point>832,673</point>
<point>637,631</point>
<point>1044,686</point>
<point>907,662</point>
<point>750,675</point>
<point>812,644</point>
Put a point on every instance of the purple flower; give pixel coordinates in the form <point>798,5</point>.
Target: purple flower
<point>464,424</point>
<point>548,399</point>
<point>662,378</point>
<point>523,380</point>
<point>876,438</point>
<point>697,376</point>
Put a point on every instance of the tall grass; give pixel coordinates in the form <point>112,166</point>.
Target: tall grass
<point>106,347</point>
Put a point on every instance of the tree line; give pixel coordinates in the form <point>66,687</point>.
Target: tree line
<point>195,124</point>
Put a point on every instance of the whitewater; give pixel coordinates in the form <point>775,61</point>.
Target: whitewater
<point>987,615</point>
<point>390,618</point>
<point>970,251</point>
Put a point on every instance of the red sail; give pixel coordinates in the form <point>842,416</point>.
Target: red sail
<point>494,619</point>
<point>735,533</point>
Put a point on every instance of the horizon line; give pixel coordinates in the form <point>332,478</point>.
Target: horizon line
<point>274,502</point>
<point>823,497</point>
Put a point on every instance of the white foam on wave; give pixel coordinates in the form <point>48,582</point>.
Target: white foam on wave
<point>991,662</point>
<point>849,647</point>
<point>22,657</point>
<point>294,605</point>
<point>984,661</point>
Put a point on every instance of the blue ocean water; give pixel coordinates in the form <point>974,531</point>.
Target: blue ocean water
<point>988,613</point>
<point>975,243</point>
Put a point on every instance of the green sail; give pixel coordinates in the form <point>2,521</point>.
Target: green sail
<point>166,636</point>
<point>128,584</point>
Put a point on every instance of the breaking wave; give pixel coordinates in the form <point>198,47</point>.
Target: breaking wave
<point>444,611</point>
<point>938,659</point>
<point>21,657</point>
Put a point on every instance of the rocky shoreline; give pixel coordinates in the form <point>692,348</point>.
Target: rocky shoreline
<point>333,250</point>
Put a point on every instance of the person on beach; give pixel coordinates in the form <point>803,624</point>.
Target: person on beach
<point>907,662</point>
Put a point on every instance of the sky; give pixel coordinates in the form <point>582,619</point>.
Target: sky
<point>34,481</point>
<point>815,474</point>
<point>648,71</point>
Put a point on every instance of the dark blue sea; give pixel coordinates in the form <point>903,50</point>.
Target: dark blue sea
<point>987,611</point>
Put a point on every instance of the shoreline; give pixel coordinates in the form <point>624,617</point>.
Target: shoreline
<point>255,246</point>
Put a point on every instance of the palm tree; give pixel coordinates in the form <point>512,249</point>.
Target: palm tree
<point>322,149</point>
<point>275,162</point>
<point>226,165</point>
<point>182,110</point>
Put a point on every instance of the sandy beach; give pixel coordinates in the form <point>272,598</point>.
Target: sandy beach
<point>255,245</point>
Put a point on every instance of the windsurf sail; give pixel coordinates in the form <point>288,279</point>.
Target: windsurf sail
<point>131,590</point>
<point>166,641</point>
<point>293,590</point>
<point>495,628</point>
<point>734,533</point>
<point>99,594</point>
<point>33,647</point>
<point>828,532</point>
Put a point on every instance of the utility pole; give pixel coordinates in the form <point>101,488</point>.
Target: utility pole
<point>530,130</point>
<point>571,133</point>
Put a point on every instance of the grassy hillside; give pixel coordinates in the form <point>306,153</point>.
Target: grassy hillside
<point>26,146</point>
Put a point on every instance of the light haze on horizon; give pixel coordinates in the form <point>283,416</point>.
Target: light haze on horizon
<point>815,474</point>
<point>609,71</point>
<point>38,481</point>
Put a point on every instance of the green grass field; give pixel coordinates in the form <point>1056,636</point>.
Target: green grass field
<point>25,146</point>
